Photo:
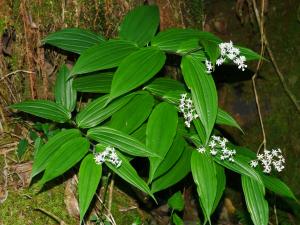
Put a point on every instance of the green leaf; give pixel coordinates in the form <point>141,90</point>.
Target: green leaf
<point>129,174</point>
<point>73,39</point>
<point>170,40</point>
<point>212,49</point>
<point>97,111</point>
<point>140,133</point>
<point>223,118</point>
<point>277,186</point>
<point>106,55</point>
<point>94,82</point>
<point>173,97</point>
<point>64,91</point>
<point>176,201</point>
<point>22,147</point>
<point>221,182</point>
<point>66,157</point>
<point>249,54</point>
<point>131,116</point>
<point>175,174</point>
<point>177,220</point>
<point>140,24</point>
<point>45,109</point>
<point>161,86</point>
<point>89,178</point>
<point>136,69</point>
<point>205,178</point>
<point>241,166</point>
<point>161,130</point>
<point>48,150</point>
<point>204,93</point>
<point>257,205</point>
<point>172,156</point>
<point>192,47</point>
<point>120,140</point>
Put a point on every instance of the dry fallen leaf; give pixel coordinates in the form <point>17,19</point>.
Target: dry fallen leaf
<point>70,197</point>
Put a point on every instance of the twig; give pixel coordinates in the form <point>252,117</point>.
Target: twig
<point>15,72</point>
<point>56,218</point>
<point>260,21</point>
<point>111,189</point>
<point>110,216</point>
<point>273,60</point>
<point>5,177</point>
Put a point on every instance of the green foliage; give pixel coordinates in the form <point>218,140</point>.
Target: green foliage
<point>138,116</point>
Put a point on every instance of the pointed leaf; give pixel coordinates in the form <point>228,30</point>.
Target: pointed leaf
<point>172,156</point>
<point>66,157</point>
<point>73,39</point>
<point>249,54</point>
<point>177,220</point>
<point>212,49</point>
<point>94,82</point>
<point>22,147</point>
<point>136,69</point>
<point>257,205</point>
<point>176,201</point>
<point>120,140</point>
<point>129,174</point>
<point>173,97</point>
<point>161,86</point>
<point>45,154</point>
<point>175,174</point>
<point>221,178</point>
<point>205,178</point>
<point>97,111</point>
<point>131,116</point>
<point>170,40</point>
<point>140,133</point>
<point>140,24</point>
<point>89,178</point>
<point>45,109</point>
<point>161,130</point>
<point>64,91</point>
<point>224,118</point>
<point>106,55</point>
<point>204,93</point>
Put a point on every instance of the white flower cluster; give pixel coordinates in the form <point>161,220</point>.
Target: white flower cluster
<point>218,145</point>
<point>268,159</point>
<point>109,155</point>
<point>228,51</point>
<point>187,108</point>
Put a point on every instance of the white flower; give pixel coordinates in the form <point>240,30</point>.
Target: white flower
<point>220,61</point>
<point>209,66</point>
<point>187,108</point>
<point>108,155</point>
<point>214,152</point>
<point>201,149</point>
<point>254,163</point>
<point>212,144</point>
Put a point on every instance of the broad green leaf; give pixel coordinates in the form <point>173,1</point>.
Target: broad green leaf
<point>140,24</point>
<point>204,93</point>
<point>120,140</point>
<point>140,133</point>
<point>257,205</point>
<point>73,39</point>
<point>170,40</point>
<point>212,50</point>
<point>175,174</point>
<point>94,82</point>
<point>136,69</point>
<point>177,220</point>
<point>223,118</point>
<point>241,166</point>
<point>176,201</point>
<point>132,115</point>
<point>129,174</point>
<point>161,130</point>
<point>192,47</point>
<point>89,178</point>
<point>221,183</point>
<point>22,147</point>
<point>277,186</point>
<point>45,154</point>
<point>66,157</point>
<point>106,55</point>
<point>161,86</point>
<point>44,109</point>
<point>173,97</point>
<point>172,156</point>
<point>64,91</point>
<point>249,54</point>
<point>205,178</point>
<point>200,131</point>
<point>97,111</point>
